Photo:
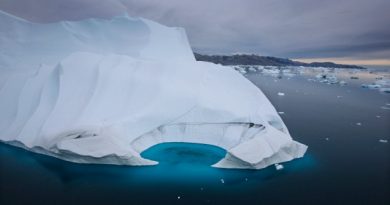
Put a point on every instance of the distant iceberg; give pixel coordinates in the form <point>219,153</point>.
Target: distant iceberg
<point>102,91</point>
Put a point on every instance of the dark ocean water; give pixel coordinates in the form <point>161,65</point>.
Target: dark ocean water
<point>345,162</point>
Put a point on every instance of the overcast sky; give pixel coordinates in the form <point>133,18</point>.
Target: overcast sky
<point>350,29</point>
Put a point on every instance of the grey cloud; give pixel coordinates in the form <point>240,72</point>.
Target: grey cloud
<point>286,28</point>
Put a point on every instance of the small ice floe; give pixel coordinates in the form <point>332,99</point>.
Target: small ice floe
<point>281,113</point>
<point>332,79</point>
<point>252,69</point>
<point>269,70</point>
<point>289,74</point>
<point>342,83</point>
<point>383,141</point>
<point>324,81</point>
<point>178,197</point>
<point>384,90</point>
<point>327,139</point>
<point>222,181</point>
<point>246,179</point>
<point>374,86</point>
<point>359,124</point>
<point>378,116</point>
<point>385,108</point>
<point>321,76</point>
<point>354,77</point>
<point>339,96</point>
<point>371,86</point>
<point>278,167</point>
<point>383,82</point>
<point>240,69</point>
<point>280,94</point>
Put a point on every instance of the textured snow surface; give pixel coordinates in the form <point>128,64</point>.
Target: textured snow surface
<point>103,91</point>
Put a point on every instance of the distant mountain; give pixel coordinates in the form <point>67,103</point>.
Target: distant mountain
<point>244,59</point>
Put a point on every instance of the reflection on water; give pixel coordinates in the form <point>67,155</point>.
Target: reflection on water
<point>184,170</point>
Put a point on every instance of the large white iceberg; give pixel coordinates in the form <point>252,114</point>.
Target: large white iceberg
<point>103,91</point>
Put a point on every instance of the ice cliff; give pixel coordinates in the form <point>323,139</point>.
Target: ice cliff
<point>103,91</point>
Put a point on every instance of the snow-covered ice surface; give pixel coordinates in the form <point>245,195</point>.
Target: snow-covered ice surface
<point>103,91</point>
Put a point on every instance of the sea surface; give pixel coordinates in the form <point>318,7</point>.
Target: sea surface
<point>348,160</point>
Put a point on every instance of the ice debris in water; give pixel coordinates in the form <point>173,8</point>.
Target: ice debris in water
<point>371,86</point>
<point>359,124</point>
<point>384,90</point>
<point>281,113</point>
<point>280,94</point>
<point>342,82</point>
<point>222,181</point>
<point>383,141</point>
<point>279,166</point>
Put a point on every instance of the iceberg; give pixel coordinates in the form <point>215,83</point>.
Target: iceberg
<point>104,90</point>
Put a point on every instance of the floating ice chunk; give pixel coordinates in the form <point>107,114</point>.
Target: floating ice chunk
<point>178,197</point>
<point>384,90</point>
<point>280,94</point>
<point>321,76</point>
<point>383,141</point>
<point>342,82</point>
<point>222,181</point>
<point>327,139</point>
<point>374,86</point>
<point>359,124</point>
<point>354,77</point>
<point>281,113</point>
<point>252,69</point>
<point>279,166</point>
<point>240,69</point>
<point>383,82</point>
<point>385,108</point>
<point>324,81</point>
<point>289,74</point>
<point>371,86</point>
<point>271,71</point>
<point>332,79</point>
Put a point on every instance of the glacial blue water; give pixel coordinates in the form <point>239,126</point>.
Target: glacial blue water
<point>345,163</point>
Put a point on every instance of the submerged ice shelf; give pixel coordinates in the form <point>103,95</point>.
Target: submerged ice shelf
<point>103,91</point>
